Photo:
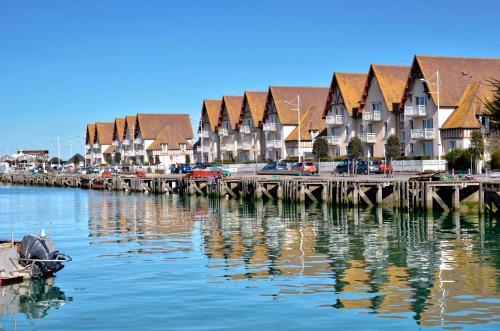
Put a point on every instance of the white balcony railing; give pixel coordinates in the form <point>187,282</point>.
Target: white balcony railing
<point>415,111</point>
<point>274,144</point>
<point>269,127</point>
<point>334,120</point>
<point>138,141</point>
<point>204,134</point>
<point>139,152</point>
<point>333,140</point>
<point>97,156</point>
<point>245,146</point>
<point>423,134</point>
<point>372,115</point>
<point>115,143</point>
<point>129,153</point>
<point>88,146</point>
<point>227,147</point>
<point>125,142</point>
<point>245,129</point>
<point>223,132</point>
<point>368,137</point>
<point>205,149</point>
<point>96,145</point>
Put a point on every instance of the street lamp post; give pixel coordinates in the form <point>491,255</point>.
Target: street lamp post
<point>298,118</point>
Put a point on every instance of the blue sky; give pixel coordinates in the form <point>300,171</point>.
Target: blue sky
<point>64,64</point>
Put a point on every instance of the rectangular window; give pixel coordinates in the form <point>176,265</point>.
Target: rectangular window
<point>402,149</point>
<point>402,135</point>
<point>361,130</point>
<point>377,106</point>
<point>428,148</point>
<point>421,101</point>
<point>411,124</point>
<point>370,128</point>
<point>428,123</point>
<point>385,129</point>
<point>453,145</point>
<point>401,118</point>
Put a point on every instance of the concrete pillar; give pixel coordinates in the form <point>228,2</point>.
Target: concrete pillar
<point>302,194</point>
<point>455,202</point>
<point>378,198</point>
<point>355,195</point>
<point>428,196</point>
<point>280,192</point>
<point>480,194</point>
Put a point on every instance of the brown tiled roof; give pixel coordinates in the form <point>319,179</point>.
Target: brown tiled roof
<point>150,125</point>
<point>311,121</point>
<point>212,108</point>
<point>118,129</point>
<point>104,133</point>
<point>171,137</point>
<point>351,87</point>
<point>309,96</point>
<point>90,135</point>
<point>129,126</point>
<point>455,74</point>
<point>232,104</point>
<point>464,117</point>
<point>391,80</point>
<point>256,103</point>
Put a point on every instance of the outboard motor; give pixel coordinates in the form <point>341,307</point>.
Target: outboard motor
<point>33,249</point>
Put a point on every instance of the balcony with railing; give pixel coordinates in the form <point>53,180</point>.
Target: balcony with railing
<point>223,132</point>
<point>372,116</point>
<point>98,155</point>
<point>245,129</point>
<point>139,152</point>
<point>269,127</point>
<point>125,142</point>
<point>115,143</point>
<point>424,134</point>
<point>334,120</point>
<point>415,111</point>
<point>138,141</point>
<point>368,137</point>
<point>333,140</point>
<point>227,147</point>
<point>244,146</point>
<point>129,153</point>
<point>274,144</point>
<point>203,134</point>
<point>96,146</point>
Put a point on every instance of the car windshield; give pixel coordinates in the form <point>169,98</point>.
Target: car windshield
<point>298,164</point>
<point>281,164</point>
<point>309,164</point>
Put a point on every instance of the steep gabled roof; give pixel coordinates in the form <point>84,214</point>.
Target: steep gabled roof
<point>309,96</point>
<point>110,150</point>
<point>129,126</point>
<point>150,125</point>
<point>311,121</point>
<point>170,137</point>
<point>351,87</point>
<point>455,74</point>
<point>104,133</point>
<point>212,108</point>
<point>90,134</point>
<point>232,104</point>
<point>256,102</point>
<point>391,80</point>
<point>471,104</point>
<point>118,129</point>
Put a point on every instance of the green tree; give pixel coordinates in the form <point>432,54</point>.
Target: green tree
<point>354,149</point>
<point>393,147</point>
<point>108,158</point>
<point>320,148</point>
<point>476,148</point>
<point>493,105</point>
<point>187,159</point>
<point>458,159</point>
<point>118,158</point>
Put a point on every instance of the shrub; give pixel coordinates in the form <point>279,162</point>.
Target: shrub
<point>495,160</point>
<point>458,159</point>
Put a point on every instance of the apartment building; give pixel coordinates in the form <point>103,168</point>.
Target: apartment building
<point>437,88</point>
<point>341,110</point>
<point>228,127</point>
<point>379,107</point>
<point>127,142</point>
<point>170,147</point>
<point>208,143</point>
<point>282,114</point>
<point>118,130</point>
<point>150,127</point>
<point>251,144</point>
<point>103,148</point>
<point>89,144</point>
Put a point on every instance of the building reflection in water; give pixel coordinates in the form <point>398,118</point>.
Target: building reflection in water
<point>34,299</point>
<point>436,269</point>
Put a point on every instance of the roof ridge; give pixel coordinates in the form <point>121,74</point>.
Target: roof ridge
<point>457,57</point>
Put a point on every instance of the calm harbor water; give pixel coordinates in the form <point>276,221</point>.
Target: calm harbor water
<point>167,262</point>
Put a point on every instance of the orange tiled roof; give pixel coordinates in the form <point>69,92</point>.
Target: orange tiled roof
<point>90,135</point>
<point>471,104</point>
<point>118,129</point>
<point>104,133</point>
<point>129,126</point>
<point>256,103</point>
<point>232,105</point>
<point>110,150</point>
<point>455,74</point>
<point>309,96</point>
<point>150,125</point>
<point>311,121</point>
<point>170,137</point>
<point>351,87</point>
<point>391,80</point>
<point>212,108</point>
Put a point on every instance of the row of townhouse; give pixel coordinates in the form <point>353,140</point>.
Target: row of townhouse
<point>433,106</point>
<point>143,139</point>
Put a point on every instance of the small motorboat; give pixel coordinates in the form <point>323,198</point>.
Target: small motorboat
<point>30,258</point>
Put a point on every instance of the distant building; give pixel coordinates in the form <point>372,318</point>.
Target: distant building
<point>207,132</point>
<point>227,127</point>
<point>41,154</point>
<point>251,145</point>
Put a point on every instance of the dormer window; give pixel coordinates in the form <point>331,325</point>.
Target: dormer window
<point>183,147</point>
<point>164,147</point>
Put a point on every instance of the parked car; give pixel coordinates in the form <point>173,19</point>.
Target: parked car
<point>180,168</point>
<point>365,167</point>
<point>140,173</point>
<point>306,167</point>
<point>107,173</point>
<point>276,166</point>
<point>385,167</point>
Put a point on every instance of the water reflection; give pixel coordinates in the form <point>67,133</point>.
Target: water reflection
<point>34,298</point>
<point>436,269</point>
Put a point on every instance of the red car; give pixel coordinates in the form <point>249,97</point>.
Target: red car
<point>107,173</point>
<point>140,173</point>
<point>307,166</point>
<point>385,168</point>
